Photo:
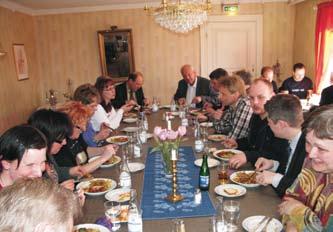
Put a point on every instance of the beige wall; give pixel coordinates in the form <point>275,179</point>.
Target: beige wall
<point>17,98</point>
<point>66,47</point>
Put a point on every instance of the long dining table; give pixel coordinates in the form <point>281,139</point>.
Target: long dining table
<point>257,201</point>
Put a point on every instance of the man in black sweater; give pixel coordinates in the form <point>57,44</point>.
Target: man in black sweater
<point>285,118</point>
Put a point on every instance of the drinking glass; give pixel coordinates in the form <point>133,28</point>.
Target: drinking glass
<point>204,133</point>
<point>112,211</point>
<point>231,214</point>
<point>222,172</point>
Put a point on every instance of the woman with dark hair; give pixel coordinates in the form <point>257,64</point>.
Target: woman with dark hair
<point>105,111</point>
<point>22,154</point>
<point>87,94</point>
<point>267,73</point>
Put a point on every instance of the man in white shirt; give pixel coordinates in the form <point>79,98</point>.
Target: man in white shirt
<point>190,86</point>
<point>285,118</point>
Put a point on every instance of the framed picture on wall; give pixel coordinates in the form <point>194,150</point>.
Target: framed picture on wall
<point>21,63</point>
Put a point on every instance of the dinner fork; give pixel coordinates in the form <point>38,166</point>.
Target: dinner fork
<point>266,225</point>
<point>259,223</point>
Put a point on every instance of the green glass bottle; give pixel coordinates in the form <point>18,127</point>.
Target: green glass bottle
<point>204,176</point>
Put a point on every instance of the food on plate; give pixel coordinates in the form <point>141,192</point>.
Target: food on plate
<point>86,230</point>
<point>112,160</point>
<point>123,216</point>
<point>130,115</point>
<point>245,177</point>
<point>231,191</point>
<point>120,139</point>
<point>226,154</point>
<point>87,176</point>
<point>124,196</point>
<point>197,112</point>
<point>96,186</point>
<point>216,138</point>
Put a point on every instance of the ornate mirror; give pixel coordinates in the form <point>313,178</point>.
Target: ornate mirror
<point>116,53</point>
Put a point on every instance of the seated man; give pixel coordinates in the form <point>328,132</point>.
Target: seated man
<point>130,91</point>
<point>190,86</point>
<point>267,73</point>
<point>235,119</point>
<point>260,140</point>
<point>38,205</point>
<point>285,118</point>
<point>298,85</point>
<point>307,205</point>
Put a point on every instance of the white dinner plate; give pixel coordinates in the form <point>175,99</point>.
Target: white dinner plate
<point>250,223</point>
<point>113,139</point>
<point>130,129</point>
<point>211,162</point>
<point>116,160</point>
<point>130,120</point>
<point>91,226</point>
<point>217,137</point>
<point>206,124</point>
<point>119,195</point>
<point>233,176</point>
<point>85,184</point>
<point>230,190</point>
<point>226,158</point>
<point>135,166</point>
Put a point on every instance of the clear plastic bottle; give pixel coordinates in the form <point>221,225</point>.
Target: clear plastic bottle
<point>125,180</point>
<point>198,143</point>
<point>134,218</point>
<point>138,145</point>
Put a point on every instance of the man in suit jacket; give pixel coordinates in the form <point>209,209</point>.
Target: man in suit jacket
<point>130,91</point>
<point>285,118</point>
<point>190,86</point>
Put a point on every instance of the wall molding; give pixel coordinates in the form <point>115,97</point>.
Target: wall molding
<point>26,10</point>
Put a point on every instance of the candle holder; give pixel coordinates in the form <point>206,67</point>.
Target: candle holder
<point>174,196</point>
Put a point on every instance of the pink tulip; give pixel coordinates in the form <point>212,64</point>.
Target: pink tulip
<point>182,130</point>
<point>172,134</point>
<point>157,130</point>
<point>163,135</point>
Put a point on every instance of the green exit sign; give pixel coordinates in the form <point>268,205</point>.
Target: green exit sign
<point>230,9</point>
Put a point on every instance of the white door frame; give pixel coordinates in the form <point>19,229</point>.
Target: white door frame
<point>236,18</point>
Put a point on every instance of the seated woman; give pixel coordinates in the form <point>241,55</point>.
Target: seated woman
<point>267,73</point>
<point>87,94</point>
<point>308,203</point>
<point>37,205</point>
<point>105,112</point>
<point>75,151</point>
<point>23,154</point>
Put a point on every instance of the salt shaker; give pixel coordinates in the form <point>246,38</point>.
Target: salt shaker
<point>197,197</point>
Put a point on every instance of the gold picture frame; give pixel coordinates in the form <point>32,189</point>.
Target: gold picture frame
<point>21,62</point>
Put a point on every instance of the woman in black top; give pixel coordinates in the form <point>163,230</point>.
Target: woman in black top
<point>267,73</point>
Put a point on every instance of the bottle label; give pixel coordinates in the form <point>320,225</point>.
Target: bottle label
<point>125,180</point>
<point>198,145</point>
<point>137,151</point>
<point>204,181</point>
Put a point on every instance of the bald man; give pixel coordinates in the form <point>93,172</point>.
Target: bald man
<point>191,86</point>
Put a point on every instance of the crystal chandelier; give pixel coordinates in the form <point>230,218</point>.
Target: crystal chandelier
<point>182,16</point>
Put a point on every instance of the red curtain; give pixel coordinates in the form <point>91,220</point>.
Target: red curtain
<point>324,22</point>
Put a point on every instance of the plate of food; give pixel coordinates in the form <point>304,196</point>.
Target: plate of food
<point>216,137</point>
<point>119,195</point>
<point>123,215</point>
<point>258,223</point>
<point>136,166</point>
<point>90,228</point>
<point>206,124</point>
<point>226,154</point>
<point>245,178</point>
<point>196,112</point>
<point>97,186</point>
<point>130,115</point>
<point>118,139</point>
<point>111,162</point>
<point>230,190</point>
<point>130,120</point>
<point>130,129</point>
<point>211,162</point>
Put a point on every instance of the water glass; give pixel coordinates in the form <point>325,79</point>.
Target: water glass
<point>231,214</point>
<point>112,211</point>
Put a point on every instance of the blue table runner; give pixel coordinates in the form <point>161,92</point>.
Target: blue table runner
<point>156,187</point>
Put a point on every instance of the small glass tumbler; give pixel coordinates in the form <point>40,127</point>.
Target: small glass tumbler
<point>112,211</point>
<point>231,214</point>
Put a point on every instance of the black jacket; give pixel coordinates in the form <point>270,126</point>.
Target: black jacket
<point>202,89</point>
<point>121,96</point>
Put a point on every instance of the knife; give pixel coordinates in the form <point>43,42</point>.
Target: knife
<point>266,225</point>
<point>259,223</point>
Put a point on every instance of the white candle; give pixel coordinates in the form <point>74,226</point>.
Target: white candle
<point>173,154</point>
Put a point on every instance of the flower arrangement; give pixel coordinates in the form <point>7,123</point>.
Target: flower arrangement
<point>166,140</point>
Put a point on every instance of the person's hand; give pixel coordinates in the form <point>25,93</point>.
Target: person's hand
<point>76,171</point>
<point>265,177</point>
<point>181,101</point>
<point>108,152</point>
<point>208,105</point>
<point>288,205</point>
<point>127,107</point>
<point>80,196</point>
<point>197,100</point>
<point>210,110</point>
<point>230,143</point>
<point>237,161</point>
<point>202,117</point>
<point>146,101</point>
<point>218,114</point>
<point>68,184</point>
<point>263,164</point>
<point>103,133</point>
<point>132,103</point>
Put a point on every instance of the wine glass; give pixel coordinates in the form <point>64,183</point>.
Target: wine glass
<point>112,211</point>
<point>231,214</point>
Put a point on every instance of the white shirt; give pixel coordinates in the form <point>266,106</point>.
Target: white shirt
<point>112,118</point>
<point>292,144</point>
<point>191,90</point>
